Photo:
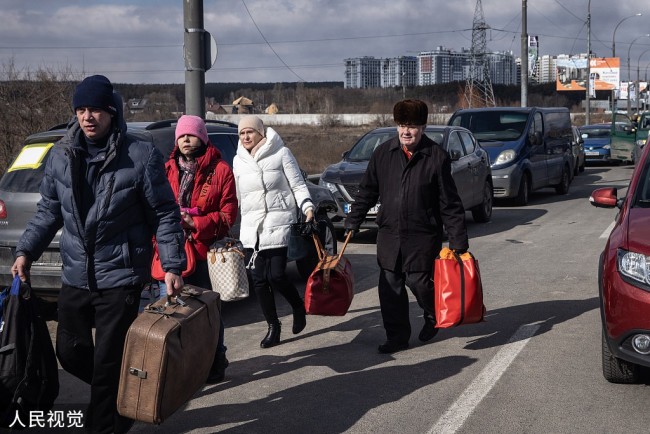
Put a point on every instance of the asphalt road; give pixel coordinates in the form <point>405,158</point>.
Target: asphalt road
<point>533,366</point>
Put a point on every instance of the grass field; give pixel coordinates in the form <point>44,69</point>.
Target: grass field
<point>317,147</point>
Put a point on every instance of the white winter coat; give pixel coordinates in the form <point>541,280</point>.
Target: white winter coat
<point>268,187</point>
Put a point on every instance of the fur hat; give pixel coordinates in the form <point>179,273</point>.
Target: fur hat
<point>410,112</point>
<point>95,91</point>
<point>192,125</point>
<point>251,122</point>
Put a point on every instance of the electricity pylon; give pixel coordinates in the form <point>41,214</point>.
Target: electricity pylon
<point>478,89</point>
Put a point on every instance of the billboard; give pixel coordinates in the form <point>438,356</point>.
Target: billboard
<point>572,73</point>
<point>533,49</point>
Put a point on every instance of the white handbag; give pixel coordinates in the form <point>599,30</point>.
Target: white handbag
<point>227,269</point>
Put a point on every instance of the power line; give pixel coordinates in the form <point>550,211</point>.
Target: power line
<point>266,42</point>
<point>270,46</point>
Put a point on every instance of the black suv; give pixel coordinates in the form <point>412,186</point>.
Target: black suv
<point>19,194</point>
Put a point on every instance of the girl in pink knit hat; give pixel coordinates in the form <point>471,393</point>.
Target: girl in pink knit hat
<point>205,218</point>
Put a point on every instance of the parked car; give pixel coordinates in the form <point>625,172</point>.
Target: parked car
<point>530,147</point>
<point>470,169</point>
<point>624,278</point>
<point>628,134</point>
<point>597,142</point>
<point>19,195</point>
<point>578,148</point>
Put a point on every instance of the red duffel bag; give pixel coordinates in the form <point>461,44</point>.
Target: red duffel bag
<point>458,289</point>
<point>330,287</point>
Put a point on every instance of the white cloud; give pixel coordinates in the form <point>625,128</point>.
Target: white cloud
<point>142,41</point>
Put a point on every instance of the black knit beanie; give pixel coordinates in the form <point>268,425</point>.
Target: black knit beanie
<point>95,91</point>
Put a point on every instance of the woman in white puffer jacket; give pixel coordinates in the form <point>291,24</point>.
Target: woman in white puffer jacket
<point>269,187</point>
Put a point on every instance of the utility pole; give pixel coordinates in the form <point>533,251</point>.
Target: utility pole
<point>524,54</point>
<point>588,96</point>
<point>195,59</point>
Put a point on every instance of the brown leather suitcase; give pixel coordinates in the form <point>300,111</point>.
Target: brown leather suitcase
<point>168,353</point>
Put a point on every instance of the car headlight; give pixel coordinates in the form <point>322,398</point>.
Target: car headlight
<point>607,147</point>
<point>640,142</point>
<point>328,185</point>
<point>636,266</point>
<point>505,157</point>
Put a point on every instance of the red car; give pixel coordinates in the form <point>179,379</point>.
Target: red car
<point>624,278</point>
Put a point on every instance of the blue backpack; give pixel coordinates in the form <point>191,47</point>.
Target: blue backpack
<point>4,293</point>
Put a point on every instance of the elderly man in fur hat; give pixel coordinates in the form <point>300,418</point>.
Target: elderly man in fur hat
<point>411,176</point>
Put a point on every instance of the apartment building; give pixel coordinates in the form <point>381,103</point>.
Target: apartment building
<point>441,65</point>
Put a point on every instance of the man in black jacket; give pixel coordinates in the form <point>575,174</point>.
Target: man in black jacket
<point>411,175</point>
<point>109,192</point>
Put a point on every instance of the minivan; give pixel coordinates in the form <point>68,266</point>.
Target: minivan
<point>529,147</point>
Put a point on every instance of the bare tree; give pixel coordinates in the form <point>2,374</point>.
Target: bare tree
<point>31,101</point>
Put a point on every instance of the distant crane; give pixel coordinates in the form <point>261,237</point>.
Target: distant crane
<point>478,89</point>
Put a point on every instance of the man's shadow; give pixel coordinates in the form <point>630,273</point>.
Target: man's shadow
<point>326,405</point>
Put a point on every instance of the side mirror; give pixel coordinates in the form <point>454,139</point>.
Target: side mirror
<point>535,138</point>
<point>345,154</point>
<point>604,197</point>
<point>454,155</point>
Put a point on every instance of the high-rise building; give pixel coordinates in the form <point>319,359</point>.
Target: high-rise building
<point>399,71</point>
<point>432,67</point>
<point>362,72</point>
<point>546,69</point>
<point>442,66</point>
<point>503,69</point>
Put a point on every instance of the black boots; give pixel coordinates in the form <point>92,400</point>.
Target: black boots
<point>299,320</point>
<point>272,337</point>
<point>218,369</point>
<point>429,330</point>
<point>390,347</point>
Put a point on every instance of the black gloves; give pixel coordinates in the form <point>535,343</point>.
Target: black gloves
<point>350,231</point>
<point>460,251</point>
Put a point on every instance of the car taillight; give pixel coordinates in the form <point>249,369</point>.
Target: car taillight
<point>3,210</point>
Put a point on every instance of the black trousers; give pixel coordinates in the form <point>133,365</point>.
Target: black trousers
<point>97,363</point>
<point>394,303</point>
<point>269,275</point>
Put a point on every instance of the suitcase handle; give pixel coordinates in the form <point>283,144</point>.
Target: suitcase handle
<point>179,301</point>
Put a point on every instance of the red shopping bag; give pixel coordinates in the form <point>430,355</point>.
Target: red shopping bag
<point>458,289</point>
<point>330,287</point>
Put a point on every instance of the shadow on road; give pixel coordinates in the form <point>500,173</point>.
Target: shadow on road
<point>501,324</point>
<point>326,405</point>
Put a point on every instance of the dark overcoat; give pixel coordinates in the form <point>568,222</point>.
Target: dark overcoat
<point>418,195</point>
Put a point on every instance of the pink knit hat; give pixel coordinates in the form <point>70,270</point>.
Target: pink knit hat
<point>192,125</point>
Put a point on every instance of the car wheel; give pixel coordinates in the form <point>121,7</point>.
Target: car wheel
<point>616,370</point>
<point>524,191</point>
<point>482,212</point>
<point>565,182</point>
<point>327,237</point>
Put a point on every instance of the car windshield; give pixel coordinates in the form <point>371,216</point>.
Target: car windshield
<point>436,136</point>
<point>26,171</point>
<point>493,125</point>
<point>596,133</point>
<point>364,148</point>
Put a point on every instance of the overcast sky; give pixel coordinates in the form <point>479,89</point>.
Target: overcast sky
<point>141,41</point>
